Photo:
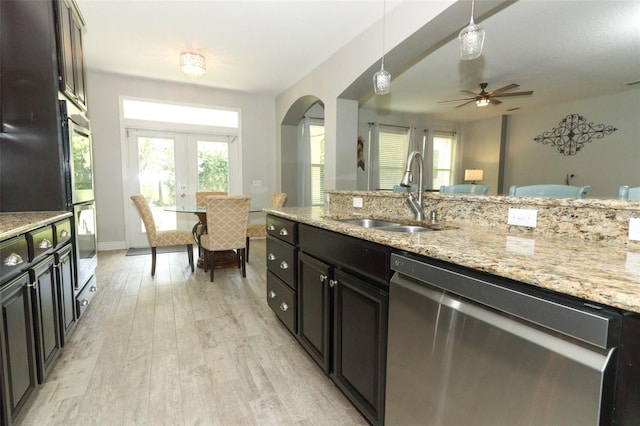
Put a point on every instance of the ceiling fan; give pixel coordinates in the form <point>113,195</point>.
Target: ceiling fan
<point>485,98</point>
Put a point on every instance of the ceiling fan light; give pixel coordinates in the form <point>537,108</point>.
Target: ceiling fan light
<point>470,40</point>
<point>193,65</point>
<point>483,102</point>
<point>381,81</point>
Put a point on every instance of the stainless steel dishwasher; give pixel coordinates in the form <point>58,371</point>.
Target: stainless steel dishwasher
<point>468,348</point>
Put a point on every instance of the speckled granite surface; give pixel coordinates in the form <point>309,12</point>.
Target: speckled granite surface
<point>16,223</point>
<point>602,270</point>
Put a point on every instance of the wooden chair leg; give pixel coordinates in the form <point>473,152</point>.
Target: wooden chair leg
<point>247,245</point>
<point>190,254</point>
<point>244,266</point>
<point>211,255</point>
<point>153,261</point>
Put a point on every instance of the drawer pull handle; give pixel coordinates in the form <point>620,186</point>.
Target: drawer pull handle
<point>13,259</point>
<point>284,307</point>
<point>45,244</point>
<point>284,231</point>
<point>271,256</point>
<point>33,285</point>
<point>271,227</point>
<point>93,288</point>
<point>272,294</point>
<point>333,283</point>
<point>64,233</point>
<point>323,278</point>
<point>84,302</point>
<point>284,265</point>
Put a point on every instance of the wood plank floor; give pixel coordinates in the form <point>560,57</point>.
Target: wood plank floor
<point>180,350</point>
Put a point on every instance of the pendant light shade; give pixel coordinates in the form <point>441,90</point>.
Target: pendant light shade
<point>471,39</point>
<point>193,65</point>
<point>382,78</point>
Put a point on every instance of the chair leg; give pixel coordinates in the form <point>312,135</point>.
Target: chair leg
<point>244,267</point>
<point>190,254</point>
<point>211,255</point>
<point>153,261</point>
<point>247,244</point>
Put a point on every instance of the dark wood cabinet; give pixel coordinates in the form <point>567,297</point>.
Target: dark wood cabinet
<point>65,291</point>
<point>17,349</point>
<point>46,317</point>
<point>343,312</point>
<point>314,309</point>
<point>71,72</point>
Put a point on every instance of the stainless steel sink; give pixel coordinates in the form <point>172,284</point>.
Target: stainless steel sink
<point>370,223</point>
<point>405,228</point>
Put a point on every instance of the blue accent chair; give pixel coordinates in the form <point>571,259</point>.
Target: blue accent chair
<point>465,189</point>
<point>626,193</point>
<point>566,191</point>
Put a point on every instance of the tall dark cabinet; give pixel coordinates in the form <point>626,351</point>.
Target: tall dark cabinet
<point>32,161</point>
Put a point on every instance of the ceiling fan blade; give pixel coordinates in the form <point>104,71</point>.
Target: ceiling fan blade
<point>466,103</point>
<point>469,92</point>
<point>530,92</point>
<point>457,100</point>
<point>493,101</point>
<point>504,89</point>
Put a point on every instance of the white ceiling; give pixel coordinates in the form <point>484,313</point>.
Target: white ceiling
<point>561,49</point>
<point>254,46</point>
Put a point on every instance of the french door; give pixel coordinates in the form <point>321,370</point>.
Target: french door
<point>168,168</point>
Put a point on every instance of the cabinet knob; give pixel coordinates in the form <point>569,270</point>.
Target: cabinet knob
<point>33,285</point>
<point>271,256</point>
<point>284,307</point>
<point>84,302</point>
<point>284,231</point>
<point>284,265</point>
<point>93,288</point>
<point>272,294</point>
<point>64,233</point>
<point>271,227</point>
<point>323,278</point>
<point>45,244</point>
<point>333,283</point>
<point>13,259</point>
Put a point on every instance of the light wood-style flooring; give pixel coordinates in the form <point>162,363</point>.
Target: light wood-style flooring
<point>180,350</point>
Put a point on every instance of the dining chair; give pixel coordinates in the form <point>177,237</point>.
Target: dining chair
<point>257,230</point>
<point>626,193</point>
<point>201,196</point>
<point>465,189</point>
<point>157,238</point>
<point>227,219</point>
<point>551,190</point>
<point>200,227</point>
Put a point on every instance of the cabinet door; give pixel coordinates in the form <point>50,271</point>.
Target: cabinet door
<point>65,286</point>
<point>360,313</point>
<point>18,351</point>
<point>70,58</point>
<point>46,320</point>
<point>314,309</point>
<point>78,61</point>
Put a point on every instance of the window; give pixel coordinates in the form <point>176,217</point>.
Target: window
<point>155,111</point>
<point>393,147</point>
<point>316,132</point>
<point>443,156</point>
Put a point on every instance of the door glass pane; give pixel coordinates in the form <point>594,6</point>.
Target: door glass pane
<point>156,165</point>
<point>442,160</point>
<point>317,164</point>
<point>213,166</point>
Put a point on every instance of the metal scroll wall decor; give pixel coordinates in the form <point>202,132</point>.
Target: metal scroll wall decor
<point>572,133</point>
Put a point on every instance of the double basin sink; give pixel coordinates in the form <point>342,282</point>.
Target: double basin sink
<point>385,225</point>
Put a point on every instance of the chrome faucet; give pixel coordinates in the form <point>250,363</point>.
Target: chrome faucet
<point>407,180</point>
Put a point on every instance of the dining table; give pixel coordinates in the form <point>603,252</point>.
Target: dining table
<point>222,259</point>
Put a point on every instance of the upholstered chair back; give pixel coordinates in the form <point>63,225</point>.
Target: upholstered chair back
<point>147,218</point>
<point>227,219</point>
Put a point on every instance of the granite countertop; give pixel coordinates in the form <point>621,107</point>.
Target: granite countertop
<point>597,271</point>
<point>16,223</point>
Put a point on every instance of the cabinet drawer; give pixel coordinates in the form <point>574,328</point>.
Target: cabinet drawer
<point>283,229</point>
<point>14,256</point>
<point>282,300</point>
<point>83,299</point>
<point>61,232</point>
<point>281,260</point>
<point>40,241</point>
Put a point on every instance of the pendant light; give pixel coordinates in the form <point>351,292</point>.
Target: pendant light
<point>382,79</point>
<point>192,64</point>
<point>471,39</point>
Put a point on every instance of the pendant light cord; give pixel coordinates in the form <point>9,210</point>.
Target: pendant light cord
<point>473,4</point>
<point>384,18</point>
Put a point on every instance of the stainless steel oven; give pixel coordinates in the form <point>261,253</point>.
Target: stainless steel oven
<point>80,159</point>
<point>86,241</point>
